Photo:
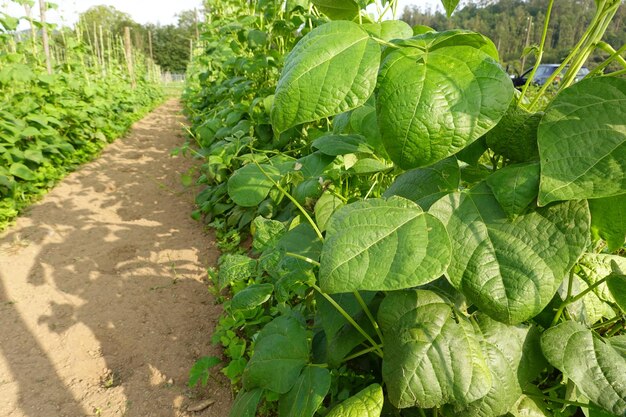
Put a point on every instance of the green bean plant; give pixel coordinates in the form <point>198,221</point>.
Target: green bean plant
<point>438,244</point>
<point>51,122</point>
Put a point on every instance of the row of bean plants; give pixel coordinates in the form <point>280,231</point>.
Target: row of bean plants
<point>51,122</point>
<point>425,239</point>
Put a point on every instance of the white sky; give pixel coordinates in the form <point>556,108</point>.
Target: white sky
<point>142,11</point>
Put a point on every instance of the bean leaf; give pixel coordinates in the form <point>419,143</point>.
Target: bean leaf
<point>599,373</point>
<point>365,403</point>
<point>608,220</point>
<point>246,403</point>
<point>248,186</point>
<point>432,357</point>
<point>382,245</point>
<point>338,9</point>
<point>307,394</point>
<point>331,70</point>
<point>510,269</point>
<point>582,142</point>
<point>280,353</point>
<point>425,115</point>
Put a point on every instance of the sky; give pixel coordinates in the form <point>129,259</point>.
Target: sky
<point>142,11</point>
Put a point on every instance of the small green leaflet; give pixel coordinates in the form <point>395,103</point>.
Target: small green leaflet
<point>450,6</point>
<point>365,403</point>
<point>325,206</point>
<point>582,142</point>
<point>234,268</point>
<point>341,144</point>
<point>432,356</point>
<point>201,370</point>
<point>515,187</point>
<point>600,375</point>
<point>280,353</point>
<point>251,184</point>
<point>252,296</point>
<point>331,70</point>
<point>246,403</point>
<point>307,394</point>
<point>338,9</point>
<point>510,269</point>
<point>388,30</point>
<point>382,245</point>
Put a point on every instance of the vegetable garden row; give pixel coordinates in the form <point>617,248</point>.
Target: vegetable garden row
<point>52,119</point>
<point>426,240</point>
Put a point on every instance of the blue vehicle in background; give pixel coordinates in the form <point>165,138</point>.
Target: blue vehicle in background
<point>544,71</point>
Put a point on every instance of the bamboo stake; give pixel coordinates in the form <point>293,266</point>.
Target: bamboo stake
<point>128,49</point>
<point>33,32</point>
<point>44,35</point>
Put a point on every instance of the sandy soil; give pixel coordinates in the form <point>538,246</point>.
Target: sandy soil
<point>103,308</point>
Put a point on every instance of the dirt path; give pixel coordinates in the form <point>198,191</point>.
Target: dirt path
<point>103,308</point>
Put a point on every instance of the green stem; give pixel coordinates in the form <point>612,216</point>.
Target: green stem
<point>350,320</point>
<point>560,401</point>
<point>369,314</point>
<point>362,352</point>
<point>605,323</point>
<point>615,56</point>
<point>617,73</point>
<point>384,42</point>
<point>302,258</point>
<point>544,36</point>
<point>293,200</point>
<point>571,55</point>
<point>569,299</point>
<point>564,304</point>
<point>422,412</point>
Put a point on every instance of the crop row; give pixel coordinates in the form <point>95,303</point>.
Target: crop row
<point>53,120</point>
<point>425,239</point>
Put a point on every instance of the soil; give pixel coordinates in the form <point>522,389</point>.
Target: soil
<point>104,304</point>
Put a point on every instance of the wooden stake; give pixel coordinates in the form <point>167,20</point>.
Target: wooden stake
<point>530,25</point>
<point>150,44</point>
<point>128,49</point>
<point>44,35</point>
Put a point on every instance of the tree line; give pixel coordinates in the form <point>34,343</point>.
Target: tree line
<point>169,45</point>
<point>515,26</point>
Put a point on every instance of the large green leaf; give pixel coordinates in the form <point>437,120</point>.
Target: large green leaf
<point>431,40</point>
<point>331,70</point>
<point>246,403</point>
<point>608,220</point>
<point>617,286</point>
<point>582,142</point>
<point>596,367</point>
<point>427,185</point>
<point>365,403</point>
<point>280,353</point>
<point>382,245</point>
<point>249,185</point>
<point>338,9</point>
<point>426,114</point>
<point>510,269</point>
<point>515,187</point>
<point>307,394</point>
<point>513,354</point>
<point>22,171</point>
<point>432,356</point>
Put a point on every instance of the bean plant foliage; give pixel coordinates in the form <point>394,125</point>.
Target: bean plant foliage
<point>426,240</point>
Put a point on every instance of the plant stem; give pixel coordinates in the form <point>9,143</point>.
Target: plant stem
<point>293,200</point>
<point>350,320</point>
<point>544,36</point>
<point>369,314</point>
<point>565,302</point>
<point>569,299</point>
<point>361,353</point>
<point>615,56</point>
<point>303,258</point>
<point>560,401</point>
